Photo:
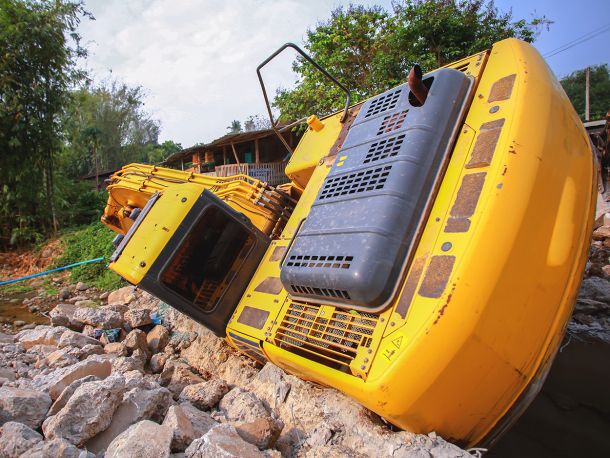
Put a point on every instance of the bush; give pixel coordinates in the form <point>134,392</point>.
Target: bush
<point>89,242</point>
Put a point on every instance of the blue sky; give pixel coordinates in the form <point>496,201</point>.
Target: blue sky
<point>197,58</point>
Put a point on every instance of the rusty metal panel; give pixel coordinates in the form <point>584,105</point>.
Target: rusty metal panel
<point>251,316</point>
<point>502,89</point>
<point>485,145</point>
<point>270,285</point>
<point>437,276</point>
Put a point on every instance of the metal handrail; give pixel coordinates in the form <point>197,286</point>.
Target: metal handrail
<point>274,124</point>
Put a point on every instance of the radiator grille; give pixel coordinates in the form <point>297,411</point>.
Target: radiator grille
<point>332,341</point>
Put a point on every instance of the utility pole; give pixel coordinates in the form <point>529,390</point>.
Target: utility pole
<point>587,78</point>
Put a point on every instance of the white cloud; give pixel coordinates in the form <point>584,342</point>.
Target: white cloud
<point>198,58</point>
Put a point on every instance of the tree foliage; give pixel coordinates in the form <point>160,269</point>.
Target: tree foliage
<point>39,46</point>
<point>108,127</point>
<point>599,91</point>
<point>369,49</point>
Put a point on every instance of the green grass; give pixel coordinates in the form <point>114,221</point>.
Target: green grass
<point>88,242</point>
<point>16,288</point>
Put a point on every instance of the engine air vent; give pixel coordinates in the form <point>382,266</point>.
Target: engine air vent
<point>392,122</point>
<point>365,180</point>
<point>326,292</point>
<point>384,148</point>
<point>328,262</point>
<point>383,103</point>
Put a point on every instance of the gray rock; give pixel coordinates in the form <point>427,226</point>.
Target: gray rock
<point>55,448</point>
<point>104,295</point>
<point>136,340</point>
<point>40,335</point>
<point>60,358</point>
<point>80,286</point>
<point>222,441</point>
<point>65,395</point>
<point>178,375</point>
<point>124,364</point>
<point>19,323</point>
<point>16,438</point>
<point>262,432</point>
<point>595,288</point>
<point>138,404</point>
<point>88,411</point>
<point>187,424</point>
<point>205,395</point>
<point>122,296</point>
<point>64,294</point>
<point>98,317</point>
<point>157,362</point>
<point>7,373</point>
<point>143,439</point>
<point>56,381</point>
<point>242,406</point>
<point>24,406</point>
<point>63,314</point>
<point>270,385</point>
<point>137,317</point>
<point>157,338</point>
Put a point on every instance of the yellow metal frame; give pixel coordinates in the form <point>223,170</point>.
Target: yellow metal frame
<point>488,295</point>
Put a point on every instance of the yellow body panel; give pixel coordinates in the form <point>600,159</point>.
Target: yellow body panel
<point>456,363</point>
<point>159,226</point>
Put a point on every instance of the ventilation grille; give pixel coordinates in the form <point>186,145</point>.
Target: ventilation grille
<point>248,347</point>
<point>384,148</point>
<point>327,292</point>
<point>328,262</point>
<point>462,67</point>
<point>365,180</point>
<point>392,122</point>
<point>332,341</point>
<point>384,103</point>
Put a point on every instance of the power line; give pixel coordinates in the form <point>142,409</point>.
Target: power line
<point>586,37</point>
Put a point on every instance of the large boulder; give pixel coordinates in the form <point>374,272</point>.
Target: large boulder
<point>137,317</point>
<point>242,406</point>
<point>63,315</point>
<point>138,404</point>
<point>76,339</point>
<point>88,411</point>
<point>98,317</point>
<point>187,424</point>
<point>65,395</point>
<point>178,375</point>
<point>54,449</point>
<point>205,395</point>
<point>16,438</point>
<point>222,441</point>
<point>143,439</point>
<point>56,381</point>
<point>24,406</point>
<point>157,338</point>
<point>122,295</point>
<point>40,335</point>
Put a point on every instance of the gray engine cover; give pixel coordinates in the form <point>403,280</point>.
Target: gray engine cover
<point>355,243</point>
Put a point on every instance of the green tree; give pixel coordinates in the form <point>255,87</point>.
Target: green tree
<point>108,127</point>
<point>39,47</point>
<point>234,127</point>
<point>599,91</point>
<point>369,49</point>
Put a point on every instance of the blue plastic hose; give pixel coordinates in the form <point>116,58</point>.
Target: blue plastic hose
<point>40,274</point>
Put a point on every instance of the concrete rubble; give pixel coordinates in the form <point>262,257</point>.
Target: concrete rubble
<point>128,376</point>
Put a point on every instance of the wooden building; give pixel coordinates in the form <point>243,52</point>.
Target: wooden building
<point>258,153</point>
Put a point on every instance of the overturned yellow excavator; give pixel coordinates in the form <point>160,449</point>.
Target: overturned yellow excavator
<point>424,258</point>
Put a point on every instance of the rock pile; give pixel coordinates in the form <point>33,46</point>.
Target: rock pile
<point>591,318</point>
<point>113,381</point>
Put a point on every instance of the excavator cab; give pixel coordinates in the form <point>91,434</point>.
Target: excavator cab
<point>208,253</point>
